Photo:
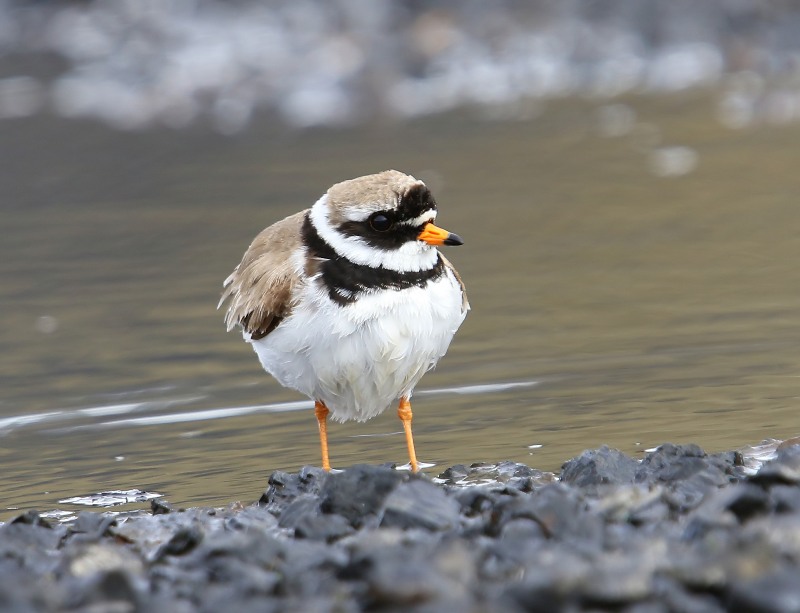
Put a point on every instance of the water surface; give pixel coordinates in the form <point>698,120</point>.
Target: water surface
<point>631,308</point>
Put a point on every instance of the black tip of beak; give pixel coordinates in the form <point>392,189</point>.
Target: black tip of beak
<point>453,240</point>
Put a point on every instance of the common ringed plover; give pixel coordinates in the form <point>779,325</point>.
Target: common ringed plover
<point>349,302</point>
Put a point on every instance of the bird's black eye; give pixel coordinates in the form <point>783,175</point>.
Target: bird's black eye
<point>380,222</point>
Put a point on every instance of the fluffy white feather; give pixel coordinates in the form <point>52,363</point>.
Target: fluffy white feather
<point>360,359</point>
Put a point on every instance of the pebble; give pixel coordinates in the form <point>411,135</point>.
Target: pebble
<point>681,530</point>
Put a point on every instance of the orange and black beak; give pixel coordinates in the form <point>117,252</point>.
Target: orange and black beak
<point>434,235</point>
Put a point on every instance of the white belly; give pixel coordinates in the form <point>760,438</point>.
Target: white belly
<point>360,359</point>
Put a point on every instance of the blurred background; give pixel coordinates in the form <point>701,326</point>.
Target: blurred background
<point>624,173</point>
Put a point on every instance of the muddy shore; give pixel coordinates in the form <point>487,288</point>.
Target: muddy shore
<point>680,530</point>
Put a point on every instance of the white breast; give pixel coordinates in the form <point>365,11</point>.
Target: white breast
<point>360,359</point>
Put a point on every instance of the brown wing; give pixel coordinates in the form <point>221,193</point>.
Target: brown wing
<point>260,288</point>
<point>464,300</point>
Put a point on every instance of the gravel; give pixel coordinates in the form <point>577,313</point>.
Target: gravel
<point>681,530</point>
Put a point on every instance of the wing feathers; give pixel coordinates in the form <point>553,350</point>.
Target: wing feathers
<point>260,288</point>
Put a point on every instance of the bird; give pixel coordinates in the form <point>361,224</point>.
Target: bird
<point>350,302</point>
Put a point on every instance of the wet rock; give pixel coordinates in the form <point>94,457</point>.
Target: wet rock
<point>785,498</point>
<point>521,477</point>
<point>780,533</point>
<point>688,473</point>
<point>31,518</point>
<point>675,463</point>
<point>522,529</point>
<point>725,509</point>
<point>680,531</point>
<point>307,520</point>
<point>299,508</point>
<point>742,501</point>
<point>284,487</point>
<point>777,592</point>
<point>598,467</point>
<point>181,543</point>
<point>784,469</point>
<point>307,559</point>
<point>620,577</point>
<point>98,558</point>
<point>635,504</point>
<point>454,475</point>
<point>323,527</point>
<point>251,519</point>
<point>160,507</point>
<point>358,494</point>
<point>113,592</point>
<point>89,527</point>
<point>418,503</point>
<point>400,570</point>
<point>536,596</point>
<point>676,597</point>
<point>511,474</point>
<point>560,511</point>
<point>29,545</point>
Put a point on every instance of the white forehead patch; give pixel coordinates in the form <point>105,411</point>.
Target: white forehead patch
<point>427,216</point>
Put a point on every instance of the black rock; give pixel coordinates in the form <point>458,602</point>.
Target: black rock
<point>326,527</point>
<point>454,474</point>
<point>538,598</point>
<point>477,500</point>
<point>599,467</point>
<point>418,503</point>
<point>91,526</point>
<point>31,546</point>
<point>634,504</point>
<point>746,501</point>
<point>358,493</point>
<point>784,469</point>
<point>682,531</point>
<point>114,590</point>
<point>774,592</point>
<point>183,541</point>
<point>688,473</point>
<point>407,572</point>
<point>674,463</point>
<point>561,511</point>
<point>257,548</point>
<point>522,529</point>
<point>31,518</point>
<point>677,598</point>
<point>285,487</point>
<point>785,498</point>
<point>620,577</point>
<point>725,509</point>
<point>251,519</point>
<point>160,507</point>
<point>303,505</point>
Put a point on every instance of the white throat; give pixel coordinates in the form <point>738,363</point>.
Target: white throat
<point>410,257</point>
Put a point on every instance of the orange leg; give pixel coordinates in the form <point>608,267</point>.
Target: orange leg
<point>404,413</point>
<point>321,411</point>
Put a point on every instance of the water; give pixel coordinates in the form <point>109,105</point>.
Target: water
<point>625,304</point>
<point>337,63</point>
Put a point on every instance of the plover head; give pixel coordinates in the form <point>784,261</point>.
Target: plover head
<point>382,220</point>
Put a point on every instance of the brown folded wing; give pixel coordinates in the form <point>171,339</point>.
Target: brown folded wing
<point>260,288</point>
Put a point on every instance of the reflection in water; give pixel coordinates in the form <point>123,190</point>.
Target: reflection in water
<point>19,421</point>
<point>645,307</point>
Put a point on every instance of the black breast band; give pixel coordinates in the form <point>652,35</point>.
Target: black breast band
<point>345,280</point>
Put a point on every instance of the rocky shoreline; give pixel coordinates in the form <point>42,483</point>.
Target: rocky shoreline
<point>680,530</point>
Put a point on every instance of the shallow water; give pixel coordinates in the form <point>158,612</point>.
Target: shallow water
<point>632,308</point>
